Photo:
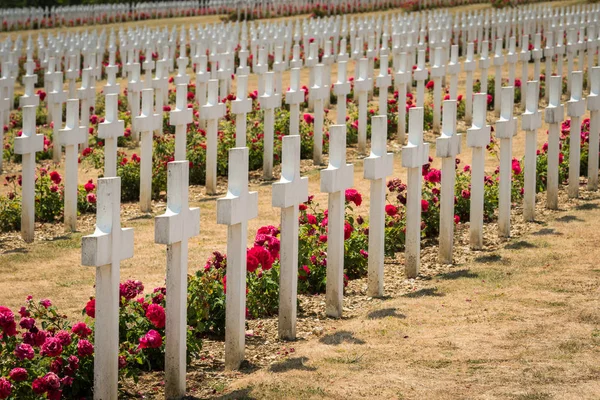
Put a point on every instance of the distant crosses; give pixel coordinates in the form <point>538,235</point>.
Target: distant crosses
<point>341,89</point>
<point>571,50</point>
<point>293,97</point>
<point>56,98</point>
<point>498,63</point>
<point>235,210</point>
<point>72,74</point>
<point>4,112</point>
<point>402,80</point>
<point>335,179</point>
<point>531,121</point>
<point>241,106</point>
<point>174,228</point>
<point>470,66</point>
<point>134,88</point>
<point>146,123</point>
<point>591,45</point>
<point>484,65</point>
<point>575,110</point>
<point>593,105</point>
<point>202,77</point>
<point>148,66</point>
<point>478,137</point>
<point>448,146</point>
<point>553,116</point>
<point>110,130</point>
<point>288,193</point>
<point>181,117</point>
<point>211,112</point>
<point>270,100</point>
<point>378,166</point>
<point>420,75</point>
<point>27,145</point>
<point>559,50</point>
<point>318,92</point>
<point>414,155</point>
<point>383,82</point>
<point>71,137</point>
<point>506,128</point>
<point>453,69</point>
<point>105,249</point>
<point>362,86</point>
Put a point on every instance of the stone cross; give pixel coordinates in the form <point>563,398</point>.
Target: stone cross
<point>378,166</point>
<point>469,66</point>
<point>341,89</point>
<point>531,121</point>
<point>148,66</point>
<point>243,68</point>
<point>524,56</point>
<point>182,63</point>
<point>591,45</point>
<point>478,137</point>
<point>437,72</point>
<point>453,69</point>
<point>318,92</point>
<point>553,116</point>
<point>506,128</point>
<point>161,87</point>
<point>288,193</point>
<point>56,98</point>
<point>269,100</point>
<point>174,228</point>
<point>30,98</point>
<point>402,80</point>
<point>110,130</point>
<point>202,77</point>
<point>575,110</point>
<point>241,106</point>
<point>448,146</point>
<point>420,75</point>
<point>27,145</point>
<point>571,51</point>
<point>362,86</point>
<point>105,249</point>
<point>146,123</point>
<point>537,53</point>
<point>134,88</point>
<point>414,155</point>
<point>593,105</point>
<point>261,68</point>
<point>112,86</point>
<point>87,96</point>
<point>512,57</point>
<point>71,137</point>
<point>559,51</point>
<point>71,75</point>
<point>293,97</point>
<point>180,118</point>
<point>235,210</point>
<point>548,55</point>
<point>484,65</point>
<point>498,63</point>
<point>4,112</point>
<point>335,179</point>
<point>383,82</point>
<point>211,112</point>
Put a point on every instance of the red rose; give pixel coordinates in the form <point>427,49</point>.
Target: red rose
<point>391,210</point>
<point>85,348</point>
<point>90,308</point>
<point>156,315</point>
<point>151,340</point>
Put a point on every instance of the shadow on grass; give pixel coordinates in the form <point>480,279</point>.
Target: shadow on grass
<point>461,273</point>
<point>386,312</point>
<point>427,292</point>
<point>489,258</point>
<point>569,218</point>
<point>296,363</point>
<point>587,206</point>
<point>340,337</point>
<point>521,244</point>
<point>547,231</point>
<point>240,394</point>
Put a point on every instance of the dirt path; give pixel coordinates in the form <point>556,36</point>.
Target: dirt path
<point>521,322</point>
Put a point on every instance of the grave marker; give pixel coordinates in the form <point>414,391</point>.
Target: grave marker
<point>575,110</point>
<point>110,130</point>
<point>531,121</point>
<point>593,105</point>
<point>268,102</point>
<point>211,112</point>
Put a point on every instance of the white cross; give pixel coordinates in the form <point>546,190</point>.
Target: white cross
<point>181,117</point>
<point>593,105</point>
<point>27,145</point>
<point>341,89</point>
<point>531,121</point>
<point>537,54</point>
<point>524,56</point>
<point>134,88</point>
<point>235,210</point>
<point>71,137</point>
<point>241,106</point>
<point>402,80</point>
<point>383,82</point>
<point>268,102</point>
<point>478,137</point>
<point>498,63</point>
<point>105,249</point>
<point>420,75</point>
<point>87,96</point>
<point>261,68</point>
<point>161,86</point>
<point>174,228</point>
<point>243,68</point>
<point>548,55</point>
<point>437,72</point>
<point>288,193</point>
<point>211,112</point>
<point>378,166</point>
<point>591,45</point>
<point>414,155</point>
<point>110,130</point>
<point>335,179</point>
<point>512,57</point>
<point>112,86</point>
<point>202,77</point>
<point>30,98</point>
<point>148,66</point>
<point>571,51</point>
<point>318,92</point>
<point>4,113</point>
<point>182,63</point>
<point>453,69</point>
<point>296,61</point>
<point>72,74</point>
<point>469,66</point>
<point>56,98</point>
<point>575,110</point>
<point>448,146</point>
<point>559,51</point>
<point>362,86</point>
<point>553,116</point>
<point>484,65</point>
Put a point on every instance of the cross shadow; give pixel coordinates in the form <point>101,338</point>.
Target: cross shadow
<point>569,218</point>
<point>461,273</point>
<point>587,206</point>
<point>19,250</point>
<point>340,337</point>
<point>490,258</point>
<point>521,244</point>
<point>296,363</point>
<point>546,231</point>
<point>427,292</point>
<point>143,216</point>
<point>240,394</point>
<point>386,312</point>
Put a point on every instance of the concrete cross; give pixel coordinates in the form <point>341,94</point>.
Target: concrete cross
<point>87,97</point>
<point>202,77</point>
<point>4,113</point>
<point>524,56</point>
<point>383,82</point>
<point>548,55</point>
<point>498,63</point>
<point>531,121</point>
<point>148,66</point>
<point>182,62</point>
<point>559,51</point>
<point>279,66</point>
<point>469,66</point>
<point>235,210</point>
<point>378,166</point>
<point>288,193</point>
<point>105,249</point>
<point>512,57</point>
<point>343,55</point>
<point>420,75</point>
<point>180,118</point>
<point>71,137</point>
<point>453,69</point>
<point>30,98</point>
<point>478,137</point>
<point>134,88</point>
<point>484,65</point>
<point>112,86</point>
<point>537,53</point>
<point>211,112</point>
<point>571,52</point>
<point>341,89</point>
<point>438,70</point>
<point>554,115</point>
<point>335,179</point>
<point>593,105</point>
<point>269,100</point>
<point>56,98</point>
<point>591,46</point>
<point>293,97</point>
<point>241,106</point>
<point>110,130</point>
<point>506,128</point>
<point>362,86</point>
<point>448,146</point>
<point>318,92</point>
<point>414,155</point>
<point>575,110</point>
<point>71,75</point>
<point>174,228</point>
<point>261,68</point>
<point>146,123</point>
<point>161,86</point>
<point>296,61</point>
<point>243,68</point>
<point>402,80</point>
<point>27,145</point>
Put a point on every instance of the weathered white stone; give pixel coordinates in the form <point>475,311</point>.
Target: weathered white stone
<point>211,112</point>
<point>110,130</point>
<point>575,110</point>
<point>270,100</point>
<point>593,105</point>
<point>180,118</point>
<point>241,106</point>
<point>531,121</point>
<point>553,116</point>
